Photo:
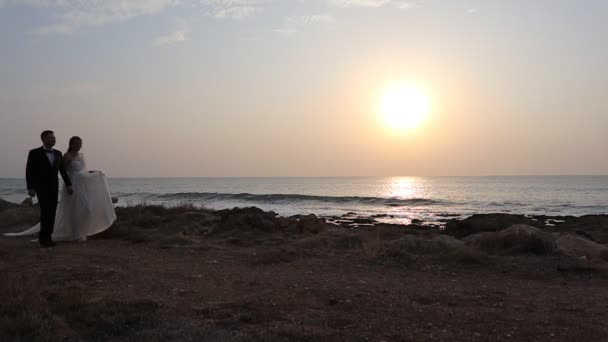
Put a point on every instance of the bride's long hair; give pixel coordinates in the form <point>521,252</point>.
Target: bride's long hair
<point>72,140</point>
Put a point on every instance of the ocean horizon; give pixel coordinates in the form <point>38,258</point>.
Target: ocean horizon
<point>389,199</point>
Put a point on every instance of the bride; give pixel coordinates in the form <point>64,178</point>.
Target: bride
<point>89,209</point>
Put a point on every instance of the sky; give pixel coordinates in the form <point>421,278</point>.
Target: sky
<point>228,88</point>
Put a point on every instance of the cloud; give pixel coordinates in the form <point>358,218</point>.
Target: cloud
<point>313,19</point>
<point>178,35</point>
<point>232,9</point>
<point>405,5</point>
<point>400,4</point>
<point>75,14</point>
<point>472,10</point>
<point>358,3</point>
<point>294,24</point>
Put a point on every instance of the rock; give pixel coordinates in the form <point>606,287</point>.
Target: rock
<point>202,218</point>
<point>289,224</point>
<point>27,202</point>
<point>114,200</point>
<point>448,214</point>
<point>311,224</point>
<point>247,219</point>
<point>416,221</point>
<point>585,234</point>
<point>364,220</point>
<point>594,227</point>
<point>484,223</point>
<point>580,247</point>
<point>516,239</point>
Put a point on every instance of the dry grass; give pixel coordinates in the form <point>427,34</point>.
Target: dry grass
<point>162,226</point>
<point>331,240</point>
<point>57,314</point>
<point>24,313</point>
<point>512,244</point>
<point>407,250</point>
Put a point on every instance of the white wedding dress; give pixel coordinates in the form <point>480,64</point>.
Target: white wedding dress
<point>87,211</point>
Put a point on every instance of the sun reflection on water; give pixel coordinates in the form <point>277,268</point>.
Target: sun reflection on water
<point>406,188</point>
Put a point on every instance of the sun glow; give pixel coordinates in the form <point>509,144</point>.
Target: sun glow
<point>404,107</point>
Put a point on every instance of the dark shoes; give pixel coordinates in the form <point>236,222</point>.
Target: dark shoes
<point>47,243</point>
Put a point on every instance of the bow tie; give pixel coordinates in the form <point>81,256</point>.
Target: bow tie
<point>48,151</point>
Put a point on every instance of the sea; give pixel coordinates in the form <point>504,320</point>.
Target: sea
<point>389,199</point>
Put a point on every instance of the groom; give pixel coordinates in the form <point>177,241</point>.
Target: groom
<point>43,164</point>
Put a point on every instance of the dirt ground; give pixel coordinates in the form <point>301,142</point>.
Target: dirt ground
<point>337,285</point>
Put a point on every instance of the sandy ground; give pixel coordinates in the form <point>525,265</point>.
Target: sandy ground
<point>143,280</point>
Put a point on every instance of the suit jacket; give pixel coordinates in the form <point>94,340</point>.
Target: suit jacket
<point>40,175</point>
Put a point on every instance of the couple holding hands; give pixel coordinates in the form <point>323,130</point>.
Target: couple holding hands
<point>85,205</point>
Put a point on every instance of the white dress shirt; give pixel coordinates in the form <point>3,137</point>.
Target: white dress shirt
<point>50,156</point>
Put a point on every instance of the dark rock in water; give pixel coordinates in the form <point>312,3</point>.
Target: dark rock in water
<point>114,200</point>
<point>448,215</point>
<point>339,222</point>
<point>364,220</point>
<point>594,227</point>
<point>416,221</point>
<point>516,239</point>
<point>485,223</point>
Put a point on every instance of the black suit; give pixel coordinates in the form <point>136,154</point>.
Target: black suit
<point>41,176</point>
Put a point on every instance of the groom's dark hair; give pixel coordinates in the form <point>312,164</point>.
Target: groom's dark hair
<point>45,133</point>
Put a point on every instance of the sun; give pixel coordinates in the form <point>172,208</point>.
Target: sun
<point>404,106</point>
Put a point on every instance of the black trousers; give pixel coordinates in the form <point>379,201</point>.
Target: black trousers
<point>48,207</point>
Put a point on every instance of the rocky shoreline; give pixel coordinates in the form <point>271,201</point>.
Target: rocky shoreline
<point>187,273</point>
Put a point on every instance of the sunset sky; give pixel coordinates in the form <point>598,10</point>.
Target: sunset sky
<point>173,88</point>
